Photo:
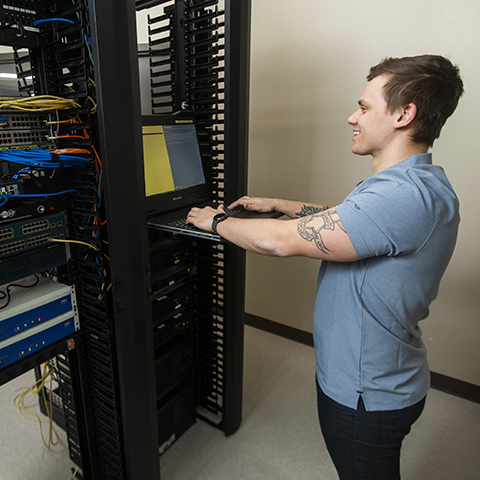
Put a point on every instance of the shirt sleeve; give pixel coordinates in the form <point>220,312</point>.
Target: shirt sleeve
<point>388,218</point>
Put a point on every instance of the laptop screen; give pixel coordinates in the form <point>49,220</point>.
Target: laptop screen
<point>174,175</point>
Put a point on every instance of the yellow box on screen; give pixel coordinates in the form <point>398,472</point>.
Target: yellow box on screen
<point>158,174</point>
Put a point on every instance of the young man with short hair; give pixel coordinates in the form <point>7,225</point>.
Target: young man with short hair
<point>384,251</point>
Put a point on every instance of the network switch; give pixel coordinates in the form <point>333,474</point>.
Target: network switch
<point>19,236</point>
<point>35,260</point>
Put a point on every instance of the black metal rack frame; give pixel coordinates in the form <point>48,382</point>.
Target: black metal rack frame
<point>109,379</point>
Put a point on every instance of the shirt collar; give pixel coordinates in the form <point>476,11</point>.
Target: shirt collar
<point>418,159</point>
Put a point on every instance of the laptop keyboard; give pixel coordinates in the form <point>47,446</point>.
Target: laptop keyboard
<point>182,223</point>
<point>234,211</point>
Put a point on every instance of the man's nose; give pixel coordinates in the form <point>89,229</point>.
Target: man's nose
<point>352,119</point>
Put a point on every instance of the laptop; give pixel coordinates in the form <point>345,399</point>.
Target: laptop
<point>174,176</point>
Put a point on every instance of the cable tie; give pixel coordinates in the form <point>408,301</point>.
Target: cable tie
<point>55,157</point>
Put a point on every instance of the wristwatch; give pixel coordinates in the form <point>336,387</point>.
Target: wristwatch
<point>220,217</point>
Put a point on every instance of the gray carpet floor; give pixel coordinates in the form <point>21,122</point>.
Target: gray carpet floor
<point>279,438</point>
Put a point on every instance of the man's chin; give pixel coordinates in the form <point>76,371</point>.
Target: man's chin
<point>358,151</point>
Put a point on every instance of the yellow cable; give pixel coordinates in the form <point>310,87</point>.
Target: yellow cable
<point>100,297</point>
<point>39,102</point>
<point>73,241</point>
<point>94,108</point>
<point>34,390</point>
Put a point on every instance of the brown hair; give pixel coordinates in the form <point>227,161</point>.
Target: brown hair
<point>431,82</point>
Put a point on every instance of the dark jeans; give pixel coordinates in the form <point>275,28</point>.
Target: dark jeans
<point>365,445</point>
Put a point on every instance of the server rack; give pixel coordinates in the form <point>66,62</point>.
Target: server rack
<point>199,62</point>
<point>92,57</point>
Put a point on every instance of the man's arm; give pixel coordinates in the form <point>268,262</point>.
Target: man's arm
<point>320,235</point>
<point>288,207</point>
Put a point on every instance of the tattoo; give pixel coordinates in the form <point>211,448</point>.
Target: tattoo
<point>314,233</point>
<point>309,210</point>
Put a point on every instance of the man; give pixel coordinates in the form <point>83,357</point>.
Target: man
<point>384,251</point>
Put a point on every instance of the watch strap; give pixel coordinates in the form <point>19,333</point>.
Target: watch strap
<point>220,217</point>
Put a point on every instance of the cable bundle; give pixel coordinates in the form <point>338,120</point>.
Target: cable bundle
<point>39,103</point>
<point>37,389</point>
<point>36,157</point>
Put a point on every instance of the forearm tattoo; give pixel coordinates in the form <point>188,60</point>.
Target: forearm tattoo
<point>313,233</point>
<point>309,210</point>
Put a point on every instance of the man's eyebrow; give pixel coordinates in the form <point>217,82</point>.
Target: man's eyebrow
<point>362,103</point>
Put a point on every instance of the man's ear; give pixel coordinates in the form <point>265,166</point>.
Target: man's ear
<point>405,115</point>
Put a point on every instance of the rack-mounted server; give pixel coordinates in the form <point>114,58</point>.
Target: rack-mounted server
<point>40,312</point>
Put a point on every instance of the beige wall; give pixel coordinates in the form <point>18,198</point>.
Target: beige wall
<point>309,61</point>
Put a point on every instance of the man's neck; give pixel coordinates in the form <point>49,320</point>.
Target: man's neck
<point>388,159</point>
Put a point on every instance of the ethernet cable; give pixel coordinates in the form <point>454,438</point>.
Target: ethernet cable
<point>36,157</point>
<point>39,103</point>
<point>37,389</point>
<point>4,197</point>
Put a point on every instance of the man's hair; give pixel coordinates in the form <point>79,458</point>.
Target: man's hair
<point>431,82</point>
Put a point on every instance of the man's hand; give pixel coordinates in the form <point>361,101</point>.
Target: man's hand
<point>290,208</point>
<point>203,217</point>
<point>255,204</point>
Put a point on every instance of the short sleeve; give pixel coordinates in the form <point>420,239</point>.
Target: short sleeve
<point>388,217</point>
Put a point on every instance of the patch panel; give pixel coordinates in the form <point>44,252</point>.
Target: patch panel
<point>16,18</point>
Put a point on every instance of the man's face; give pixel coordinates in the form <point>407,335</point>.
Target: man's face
<point>373,124</point>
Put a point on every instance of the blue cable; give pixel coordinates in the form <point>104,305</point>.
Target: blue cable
<point>87,37</point>
<point>28,195</point>
<point>6,196</point>
<point>37,157</point>
<point>38,22</point>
